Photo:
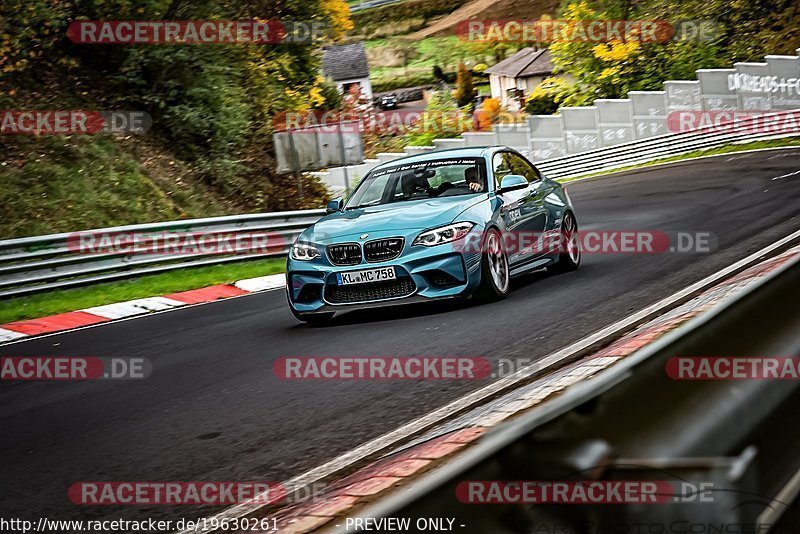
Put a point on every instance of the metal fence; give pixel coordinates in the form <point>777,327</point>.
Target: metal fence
<point>743,129</point>
<point>770,125</point>
<point>634,423</point>
<point>36,264</point>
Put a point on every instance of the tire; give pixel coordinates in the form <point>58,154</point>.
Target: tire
<point>314,319</point>
<point>569,260</point>
<point>495,272</point>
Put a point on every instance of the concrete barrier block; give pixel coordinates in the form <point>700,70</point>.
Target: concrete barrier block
<point>580,129</point>
<point>786,73</point>
<point>716,93</point>
<point>649,113</point>
<point>546,137</point>
<point>614,121</point>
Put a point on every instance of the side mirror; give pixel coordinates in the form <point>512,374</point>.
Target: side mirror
<point>335,205</point>
<point>512,182</point>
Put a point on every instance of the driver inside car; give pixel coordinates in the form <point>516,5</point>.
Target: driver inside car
<point>414,184</point>
<point>473,179</point>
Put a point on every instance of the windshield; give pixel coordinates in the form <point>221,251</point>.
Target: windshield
<point>422,180</point>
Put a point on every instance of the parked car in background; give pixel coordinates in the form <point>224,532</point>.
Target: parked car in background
<point>388,101</point>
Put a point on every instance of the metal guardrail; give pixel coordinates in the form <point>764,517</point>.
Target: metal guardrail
<point>634,423</point>
<point>37,264</point>
<point>741,130</point>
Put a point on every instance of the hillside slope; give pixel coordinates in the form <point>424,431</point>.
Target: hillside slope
<point>488,10</point>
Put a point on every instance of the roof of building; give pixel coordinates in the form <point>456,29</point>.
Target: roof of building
<point>345,62</point>
<point>527,62</point>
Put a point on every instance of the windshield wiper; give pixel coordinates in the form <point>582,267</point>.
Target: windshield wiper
<point>368,204</point>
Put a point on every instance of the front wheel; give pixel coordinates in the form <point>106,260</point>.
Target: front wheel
<point>570,259</point>
<point>495,275</point>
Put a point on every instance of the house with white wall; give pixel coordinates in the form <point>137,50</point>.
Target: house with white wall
<point>518,75</point>
<point>347,66</point>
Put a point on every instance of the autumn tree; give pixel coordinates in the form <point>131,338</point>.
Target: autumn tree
<point>487,114</point>
<point>465,89</point>
<point>338,12</point>
<point>611,69</point>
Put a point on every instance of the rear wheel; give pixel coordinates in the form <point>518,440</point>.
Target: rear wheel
<point>495,277</point>
<point>570,259</point>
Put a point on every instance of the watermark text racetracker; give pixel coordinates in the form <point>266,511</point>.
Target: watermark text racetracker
<point>349,368</point>
<point>73,122</point>
<point>592,241</point>
<point>177,493</point>
<point>385,122</point>
<point>551,31</point>
<point>582,492</point>
<point>731,121</point>
<point>382,368</point>
<point>587,31</point>
<point>196,32</point>
<point>733,368</point>
<point>58,368</point>
<point>177,242</point>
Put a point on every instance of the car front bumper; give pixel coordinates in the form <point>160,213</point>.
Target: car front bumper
<point>423,275</point>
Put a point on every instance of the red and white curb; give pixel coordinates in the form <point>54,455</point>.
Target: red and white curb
<point>434,447</point>
<point>133,308</point>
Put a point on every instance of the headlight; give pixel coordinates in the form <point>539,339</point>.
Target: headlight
<point>302,252</point>
<point>445,234</point>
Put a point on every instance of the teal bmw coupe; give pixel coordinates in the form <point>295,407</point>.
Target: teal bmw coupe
<point>440,225</point>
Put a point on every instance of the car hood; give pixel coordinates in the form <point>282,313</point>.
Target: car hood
<point>409,215</point>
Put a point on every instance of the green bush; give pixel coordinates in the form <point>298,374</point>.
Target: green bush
<point>444,120</point>
<point>383,84</point>
<point>465,89</point>
<point>542,104</point>
<point>211,108</point>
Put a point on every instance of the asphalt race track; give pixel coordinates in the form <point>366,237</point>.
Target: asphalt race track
<point>212,409</point>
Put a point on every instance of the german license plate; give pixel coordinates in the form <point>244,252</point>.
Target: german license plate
<point>365,277</point>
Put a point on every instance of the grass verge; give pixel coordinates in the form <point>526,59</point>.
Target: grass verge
<point>67,300</point>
